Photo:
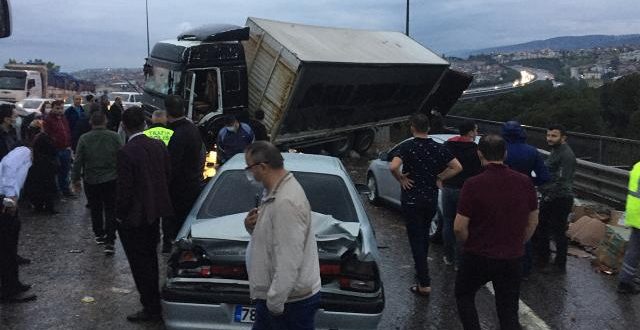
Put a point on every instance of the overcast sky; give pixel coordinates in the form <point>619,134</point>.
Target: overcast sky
<point>111,33</point>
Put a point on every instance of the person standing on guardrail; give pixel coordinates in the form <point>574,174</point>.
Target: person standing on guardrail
<point>556,202</point>
<point>425,164</point>
<point>631,260</point>
<point>526,159</point>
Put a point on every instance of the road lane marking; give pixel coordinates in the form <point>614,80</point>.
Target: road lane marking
<point>528,318</point>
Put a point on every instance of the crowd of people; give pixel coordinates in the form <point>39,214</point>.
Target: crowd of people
<point>494,228</point>
<point>136,179</point>
<point>502,203</point>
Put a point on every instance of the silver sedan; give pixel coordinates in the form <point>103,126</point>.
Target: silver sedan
<point>386,189</point>
<point>207,286</point>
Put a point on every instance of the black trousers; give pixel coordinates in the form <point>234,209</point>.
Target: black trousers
<point>418,221</point>
<point>102,203</point>
<point>9,234</point>
<point>552,225</point>
<point>140,245</point>
<point>475,271</point>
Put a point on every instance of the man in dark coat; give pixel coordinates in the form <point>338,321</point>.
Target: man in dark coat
<point>187,164</point>
<point>143,168</point>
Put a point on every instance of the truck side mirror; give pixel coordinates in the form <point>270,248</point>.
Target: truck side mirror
<point>31,83</point>
<point>5,19</point>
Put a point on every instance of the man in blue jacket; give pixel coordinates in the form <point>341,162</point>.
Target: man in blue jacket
<point>526,159</point>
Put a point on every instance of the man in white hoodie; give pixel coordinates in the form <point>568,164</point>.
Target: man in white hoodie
<point>282,260</point>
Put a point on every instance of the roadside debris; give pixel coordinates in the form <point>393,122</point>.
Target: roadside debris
<point>120,290</point>
<point>88,300</point>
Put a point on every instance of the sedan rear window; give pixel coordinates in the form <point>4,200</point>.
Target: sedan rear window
<point>232,193</point>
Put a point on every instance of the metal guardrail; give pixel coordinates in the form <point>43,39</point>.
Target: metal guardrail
<point>605,150</point>
<point>604,183</point>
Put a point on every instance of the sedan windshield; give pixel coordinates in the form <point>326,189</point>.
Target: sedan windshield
<point>232,193</point>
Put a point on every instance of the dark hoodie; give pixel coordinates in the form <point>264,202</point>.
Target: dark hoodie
<point>521,156</point>
<point>466,152</point>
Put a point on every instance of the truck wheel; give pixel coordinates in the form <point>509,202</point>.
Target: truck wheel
<point>341,147</point>
<point>363,141</point>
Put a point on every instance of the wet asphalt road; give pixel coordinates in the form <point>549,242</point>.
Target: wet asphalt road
<point>67,266</point>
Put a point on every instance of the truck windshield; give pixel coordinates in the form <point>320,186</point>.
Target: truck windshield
<point>12,80</point>
<point>162,81</point>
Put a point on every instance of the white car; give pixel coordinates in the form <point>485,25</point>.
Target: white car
<point>385,188</point>
<point>31,105</point>
<point>129,99</point>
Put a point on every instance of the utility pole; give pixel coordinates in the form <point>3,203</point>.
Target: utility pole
<point>406,30</point>
<point>146,2</point>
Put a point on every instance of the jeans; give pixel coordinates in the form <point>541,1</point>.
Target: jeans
<point>475,271</point>
<point>64,157</point>
<point>299,315</point>
<point>631,257</point>
<point>553,224</point>
<point>102,202</point>
<point>450,198</point>
<point>418,220</point>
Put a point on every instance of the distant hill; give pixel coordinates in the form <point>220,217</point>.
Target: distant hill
<point>559,43</point>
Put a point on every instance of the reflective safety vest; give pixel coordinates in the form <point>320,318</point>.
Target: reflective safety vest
<point>632,216</point>
<point>160,133</point>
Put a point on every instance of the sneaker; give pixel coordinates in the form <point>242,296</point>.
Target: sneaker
<point>100,240</point>
<point>109,249</point>
<point>628,288</point>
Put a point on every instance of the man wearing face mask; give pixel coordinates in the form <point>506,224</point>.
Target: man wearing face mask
<point>233,138</point>
<point>282,257</point>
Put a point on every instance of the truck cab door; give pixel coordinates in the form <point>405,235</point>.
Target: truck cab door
<point>234,89</point>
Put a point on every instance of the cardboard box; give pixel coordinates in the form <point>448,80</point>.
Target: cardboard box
<point>587,231</point>
<point>617,218</point>
<point>610,252</point>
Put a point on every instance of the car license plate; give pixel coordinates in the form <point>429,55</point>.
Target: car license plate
<point>245,314</point>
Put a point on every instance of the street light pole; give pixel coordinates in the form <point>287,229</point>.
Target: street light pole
<point>406,30</point>
<point>146,3</point>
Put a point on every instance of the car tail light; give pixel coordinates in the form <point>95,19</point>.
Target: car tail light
<point>359,275</point>
<point>352,274</point>
<point>192,264</point>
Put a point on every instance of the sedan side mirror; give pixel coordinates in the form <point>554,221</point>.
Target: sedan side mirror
<point>363,189</point>
<point>5,19</point>
<point>383,156</point>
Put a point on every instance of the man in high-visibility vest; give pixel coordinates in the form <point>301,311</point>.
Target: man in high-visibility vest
<point>158,129</point>
<point>632,219</point>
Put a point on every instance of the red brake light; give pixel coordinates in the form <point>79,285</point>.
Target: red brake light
<point>329,269</point>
